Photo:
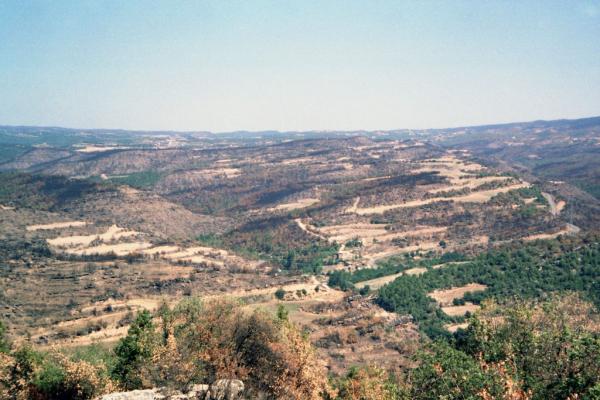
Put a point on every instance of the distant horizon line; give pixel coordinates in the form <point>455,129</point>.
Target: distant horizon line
<point>299,131</point>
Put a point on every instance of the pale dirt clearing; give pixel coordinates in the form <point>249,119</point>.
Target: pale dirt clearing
<point>438,266</point>
<point>366,232</point>
<point>213,172</point>
<point>299,160</point>
<point>379,282</point>
<point>555,208</point>
<point>112,233</point>
<point>199,259</point>
<point>444,297</point>
<point>470,183</point>
<point>415,271</point>
<point>376,253</point>
<point>426,232</point>
<point>569,229</point>
<point>208,255</point>
<point>161,250</point>
<point>454,327</point>
<point>455,311</point>
<point>6,208</point>
<point>56,225</point>
<point>376,178</point>
<point>120,249</point>
<point>98,149</point>
<point>296,205</point>
<point>354,207</point>
<point>308,229</point>
<point>475,197</point>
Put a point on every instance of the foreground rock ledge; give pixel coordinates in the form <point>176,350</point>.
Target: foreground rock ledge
<point>223,389</point>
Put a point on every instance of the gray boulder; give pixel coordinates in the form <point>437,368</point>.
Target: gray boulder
<point>226,389</point>
<point>147,394</point>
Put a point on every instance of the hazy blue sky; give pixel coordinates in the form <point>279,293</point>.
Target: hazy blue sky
<point>229,65</point>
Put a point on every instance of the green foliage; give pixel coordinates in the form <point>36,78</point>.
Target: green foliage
<point>550,354</point>
<point>280,293</point>
<point>340,279</point>
<point>133,351</point>
<point>4,343</point>
<point>369,382</point>
<point>283,243</point>
<point>282,313</point>
<point>346,280</point>
<point>528,271</point>
<point>50,376</point>
<point>140,180</point>
<point>11,152</point>
<point>447,373</point>
<point>354,242</point>
<point>365,290</point>
<point>592,188</point>
<point>211,240</point>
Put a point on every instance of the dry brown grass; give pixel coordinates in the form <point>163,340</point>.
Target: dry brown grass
<point>56,225</point>
<point>444,297</point>
<point>112,233</point>
<point>475,197</point>
<point>567,230</point>
<point>455,311</point>
<point>295,205</point>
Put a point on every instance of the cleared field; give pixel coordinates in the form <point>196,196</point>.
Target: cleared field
<point>445,297</point>
<point>455,311</point>
<point>454,327</point>
<point>112,233</point>
<point>308,229</point>
<point>98,149</point>
<point>299,160</point>
<point>569,229</point>
<point>438,266</point>
<point>56,225</point>
<point>6,208</point>
<point>161,249</point>
<point>120,249</point>
<point>376,253</point>
<point>555,208</point>
<point>379,282</point>
<point>354,207</point>
<point>469,183</point>
<point>475,197</point>
<point>366,231</point>
<point>299,204</point>
<point>216,172</point>
<point>206,255</point>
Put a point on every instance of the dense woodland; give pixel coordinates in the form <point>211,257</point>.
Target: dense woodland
<point>516,271</point>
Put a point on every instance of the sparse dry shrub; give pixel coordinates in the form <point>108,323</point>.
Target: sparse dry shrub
<point>370,383</point>
<point>6,362</point>
<point>220,340</point>
<point>83,380</point>
<point>28,375</point>
<point>170,367</point>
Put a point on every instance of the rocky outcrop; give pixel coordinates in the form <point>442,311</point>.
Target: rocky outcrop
<point>223,389</point>
<point>226,389</point>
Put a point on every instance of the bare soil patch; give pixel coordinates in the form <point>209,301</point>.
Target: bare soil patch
<point>455,311</point>
<point>56,225</point>
<point>446,296</point>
